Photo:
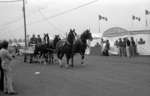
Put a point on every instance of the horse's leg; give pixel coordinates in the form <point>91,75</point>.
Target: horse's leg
<point>52,58</point>
<point>67,58</point>
<point>31,58</point>
<point>72,59</point>
<point>41,57</point>
<point>82,58</point>
<point>45,58</point>
<point>60,56</point>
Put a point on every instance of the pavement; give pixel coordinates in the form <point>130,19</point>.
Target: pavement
<point>100,76</point>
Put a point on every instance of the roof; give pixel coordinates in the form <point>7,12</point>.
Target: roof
<point>139,32</point>
<point>118,31</point>
<point>115,31</point>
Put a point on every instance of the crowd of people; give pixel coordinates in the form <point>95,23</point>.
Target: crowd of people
<point>6,82</point>
<point>127,47</point>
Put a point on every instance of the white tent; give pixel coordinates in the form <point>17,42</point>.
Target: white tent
<point>96,39</point>
<point>115,33</point>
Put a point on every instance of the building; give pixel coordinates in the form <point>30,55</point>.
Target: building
<point>141,37</point>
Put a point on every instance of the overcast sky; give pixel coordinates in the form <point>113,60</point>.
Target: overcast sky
<point>118,12</point>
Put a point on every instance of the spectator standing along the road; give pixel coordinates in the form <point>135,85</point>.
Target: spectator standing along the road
<point>120,46</point>
<point>128,47</point>
<point>106,49</point>
<point>133,47</point>
<point>6,65</point>
<point>1,73</point>
<point>124,47</point>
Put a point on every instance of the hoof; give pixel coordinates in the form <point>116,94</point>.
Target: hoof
<point>72,66</point>
<point>67,66</point>
<point>61,66</point>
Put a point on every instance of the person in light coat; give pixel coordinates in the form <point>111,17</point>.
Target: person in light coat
<point>6,65</point>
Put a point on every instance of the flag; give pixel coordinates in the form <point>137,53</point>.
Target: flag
<point>147,12</point>
<point>101,17</point>
<point>136,18</point>
<point>133,17</point>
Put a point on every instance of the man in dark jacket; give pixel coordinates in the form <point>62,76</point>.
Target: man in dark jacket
<point>107,48</point>
<point>39,40</point>
<point>133,47</point>
<point>124,47</point>
<point>120,46</point>
<point>128,47</point>
<point>1,73</point>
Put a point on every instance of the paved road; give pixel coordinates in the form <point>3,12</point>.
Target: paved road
<point>101,76</point>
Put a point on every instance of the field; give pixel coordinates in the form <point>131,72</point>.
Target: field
<point>100,76</point>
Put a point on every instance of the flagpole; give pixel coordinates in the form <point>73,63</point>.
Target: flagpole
<point>146,23</point>
<point>132,23</point>
<point>99,26</point>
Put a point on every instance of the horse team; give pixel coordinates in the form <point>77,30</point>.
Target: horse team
<point>61,47</point>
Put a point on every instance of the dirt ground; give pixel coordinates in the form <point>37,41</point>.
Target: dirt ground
<point>100,76</point>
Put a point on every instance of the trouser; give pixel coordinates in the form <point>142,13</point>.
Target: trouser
<point>132,50</point>
<point>8,84</point>
<point>1,77</point>
<point>124,51</point>
<point>120,51</point>
<point>128,51</point>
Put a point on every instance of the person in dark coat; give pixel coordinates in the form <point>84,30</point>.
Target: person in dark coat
<point>39,40</point>
<point>107,47</point>
<point>33,40</point>
<point>124,47</point>
<point>128,47</point>
<point>1,73</point>
<point>120,46</point>
<point>133,47</point>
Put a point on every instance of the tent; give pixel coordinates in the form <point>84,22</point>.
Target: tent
<point>96,39</point>
<point>141,37</point>
<point>94,48</point>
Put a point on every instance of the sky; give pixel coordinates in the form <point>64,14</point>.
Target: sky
<point>39,16</point>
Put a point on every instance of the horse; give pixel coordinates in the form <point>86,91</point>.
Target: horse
<point>47,49</point>
<point>77,46</point>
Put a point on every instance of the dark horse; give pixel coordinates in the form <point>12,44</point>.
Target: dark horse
<point>73,47</point>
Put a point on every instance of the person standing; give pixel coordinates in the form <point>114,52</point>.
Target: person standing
<point>6,65</point>
<point>124,47</point>
<point>133,47</point>
<point>120,46</point>
<point>128,47</point>
<point>39,40</point>
<point>116,46</point>
<point>107,47</point>
<point>1,73</point>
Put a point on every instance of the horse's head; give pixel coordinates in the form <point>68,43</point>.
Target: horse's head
<point>87,35</point>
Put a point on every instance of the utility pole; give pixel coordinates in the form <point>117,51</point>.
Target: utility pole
<point>25,28</point>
